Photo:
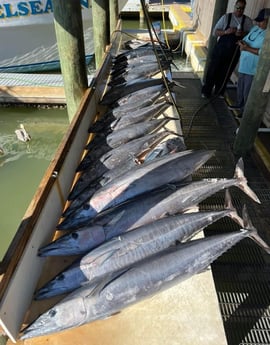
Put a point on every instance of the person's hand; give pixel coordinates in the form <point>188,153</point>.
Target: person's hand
<point>230,31</point>
<point>239,33</point>
<point>242,45</point>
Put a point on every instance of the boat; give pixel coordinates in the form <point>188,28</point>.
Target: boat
<point>23,269</point>
<point>27,28</point>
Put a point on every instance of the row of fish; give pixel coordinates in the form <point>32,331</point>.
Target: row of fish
<point>133,212</point>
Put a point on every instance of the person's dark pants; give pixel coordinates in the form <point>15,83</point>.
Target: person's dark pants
<point>243,88</point>
<point>220,68</point>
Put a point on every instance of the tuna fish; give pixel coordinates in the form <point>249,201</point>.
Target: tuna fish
<point>142,179</point>
<point>131,247</point>
<point>138,282</point>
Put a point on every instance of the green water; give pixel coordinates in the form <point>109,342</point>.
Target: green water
<point>23,164</point>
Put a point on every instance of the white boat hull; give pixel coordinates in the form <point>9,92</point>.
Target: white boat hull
<point>30,37</point>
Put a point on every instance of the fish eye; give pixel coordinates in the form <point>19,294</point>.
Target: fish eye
<point>75,235</point>
<point>86,206</point>
<point>52,313</point>
<point>61,277</point>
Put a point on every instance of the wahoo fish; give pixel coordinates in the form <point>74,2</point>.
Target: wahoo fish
<point>121,136</point>
<point>144,114</point>
<point>131,247</point>
<point>142,210</point>
<point>94,178</point>
<point>137,71</point>
<point>142,51</point>
<point>139,99</point>
<point>136,104</point>
<point>142,179</point>
<point>140,115</point>
<point>138,146</point>
<point>114,139</point>
<point>133,147</point>
<point>124,64</point>
<point>116,92</point>
<point>138,282</point>
<point>141,158</point>
<point>168,146</point>
<point>135,64</point>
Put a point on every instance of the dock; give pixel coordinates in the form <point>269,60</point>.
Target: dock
<point>27,88</point>
<point>228,304</point>
<point>241,276</point>
<point>18,88</point>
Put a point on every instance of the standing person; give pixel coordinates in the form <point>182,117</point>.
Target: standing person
<point>250,48</point>
<point>230,28</point>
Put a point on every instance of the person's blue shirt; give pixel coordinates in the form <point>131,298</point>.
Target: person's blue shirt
<point>248,62</point>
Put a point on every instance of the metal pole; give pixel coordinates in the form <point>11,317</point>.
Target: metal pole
<point>256,103</point>
<point>219,10</point>
<point>100,10</point>
<point>114,15</point>
<point>70,41</point>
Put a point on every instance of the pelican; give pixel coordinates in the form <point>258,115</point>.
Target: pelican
<point>22,135</point>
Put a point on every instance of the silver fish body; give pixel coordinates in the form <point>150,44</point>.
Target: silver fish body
<point>121,136</point>
<point>129,248</point>
<point>143,114</point>
<point>112,95</point>
<point>141,281</point>
<point>138,99</point>
<point>146,209</point>
<point>129,149</point>
<point>135,71</point>
<point>144,178</point>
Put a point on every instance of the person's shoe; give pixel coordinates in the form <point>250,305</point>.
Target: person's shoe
<point>234,107</point>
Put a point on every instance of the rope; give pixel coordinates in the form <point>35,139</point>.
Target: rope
<point>213,97</point>
<point>151,30</point>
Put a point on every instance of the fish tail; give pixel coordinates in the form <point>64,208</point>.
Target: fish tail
<point>239,175</point>
<point>253,232</point>
<point>233,213</point>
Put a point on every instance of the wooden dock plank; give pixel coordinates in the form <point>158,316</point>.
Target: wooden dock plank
<point>32,94</point>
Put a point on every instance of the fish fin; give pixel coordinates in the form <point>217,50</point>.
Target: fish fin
<point>239,175</point>
<point>171,186</point>
<point>115,219</point>
<point>229,206</point>
<point>253,232</point>
<point>100,259</point>
<point>115,123</point>
<point>191,209</point>
<point>97,288</point>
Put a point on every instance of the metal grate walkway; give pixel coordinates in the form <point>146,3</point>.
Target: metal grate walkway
<point>242,275</point>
